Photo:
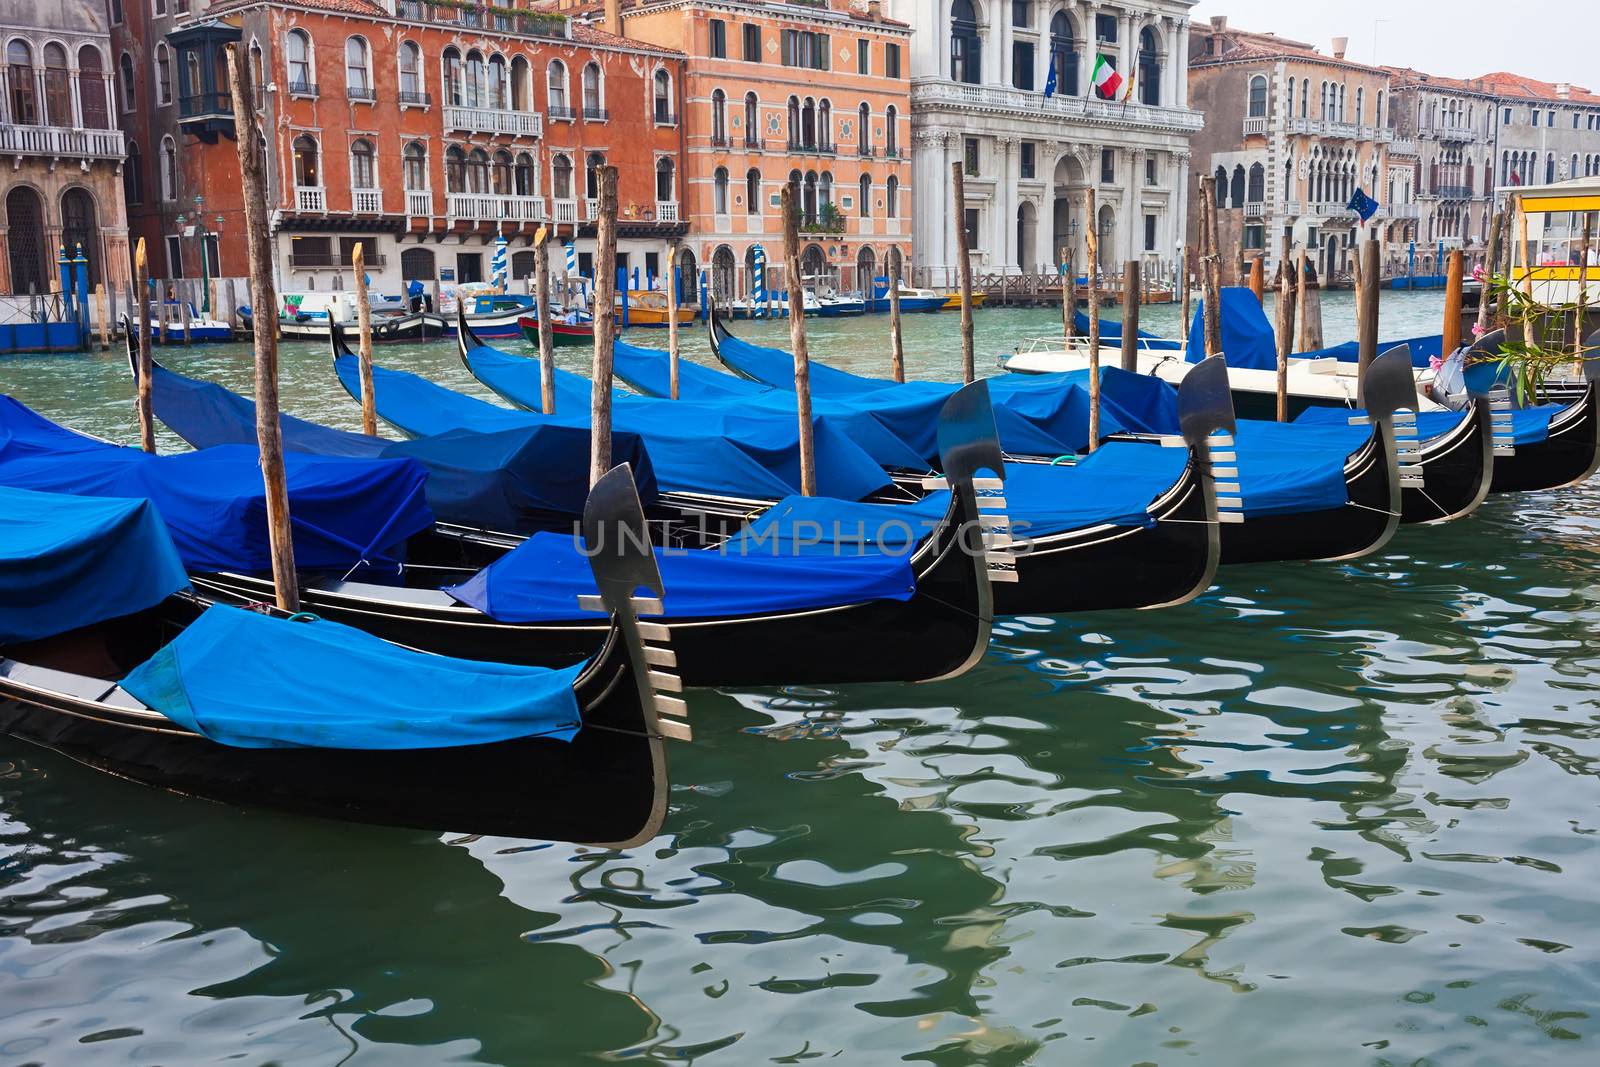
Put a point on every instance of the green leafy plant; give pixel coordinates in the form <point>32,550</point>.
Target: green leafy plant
<point>1551,338</point>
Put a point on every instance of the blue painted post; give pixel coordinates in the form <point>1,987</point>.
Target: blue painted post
<point>64,265</point>
<point>622,287</point>
<point>80,271</point>
<point>705,295</point>
<point>1411,266</point>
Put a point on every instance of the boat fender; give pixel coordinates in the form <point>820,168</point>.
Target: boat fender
<point>304,616</point>
<point>1059,460</point>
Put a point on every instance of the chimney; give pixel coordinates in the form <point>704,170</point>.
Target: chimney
<point>1563,89</point>
<point>614,18</point>
<point>1219,23</point>
<point>875,10</point>
<point>1340,46</point>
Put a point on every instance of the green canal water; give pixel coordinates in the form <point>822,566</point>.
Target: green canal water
<point>1326,814</point>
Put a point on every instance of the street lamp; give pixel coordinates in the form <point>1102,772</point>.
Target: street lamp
<point>205,266</point>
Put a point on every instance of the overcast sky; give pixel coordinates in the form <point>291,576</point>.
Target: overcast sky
<point>1459,38</point>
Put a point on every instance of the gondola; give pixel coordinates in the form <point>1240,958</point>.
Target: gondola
<point>1569,453</point>
<point>601,779</point>
<point>562,334</point>
<point>1163,554</point>
<point>386,329</point>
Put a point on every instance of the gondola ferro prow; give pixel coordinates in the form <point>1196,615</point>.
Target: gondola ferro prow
<point>1207,423</point>
<point>1591,358</point>
<point>1388,392</point>
<point>969,443</point>
<point>617,542</point>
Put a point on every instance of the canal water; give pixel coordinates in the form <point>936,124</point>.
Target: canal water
<point>1326,814</point>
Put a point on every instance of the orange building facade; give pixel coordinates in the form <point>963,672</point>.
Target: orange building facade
<point>421,130</point>
<point>816,95</point>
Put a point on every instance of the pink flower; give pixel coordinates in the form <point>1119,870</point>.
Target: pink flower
<point>1478,273</point>
<point>1435,363</point>
<point>1478,331</point>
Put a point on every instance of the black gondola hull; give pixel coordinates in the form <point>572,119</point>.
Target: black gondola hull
<point>1457,471</point>
<point>605,786</point>
<point>1570,454</point>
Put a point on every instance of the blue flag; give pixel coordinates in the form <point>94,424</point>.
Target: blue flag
<point>1362,204</point>
<point>1050,81</point>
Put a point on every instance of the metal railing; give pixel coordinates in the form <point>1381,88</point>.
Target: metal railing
<point>313,198</point>
<point>867,151</point>
<point>664,117</point>
<point>365,94</point>
<point>413,98</point>
<point>494,120</point>
<point>307,89</point>
<point>756,143</point>
<point>206,104</point>
<point>596,114</point>
<point>561,114</point>
<point>340,258</point>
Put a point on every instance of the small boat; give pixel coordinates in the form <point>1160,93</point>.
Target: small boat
<point>952,301</point>
<point>1557,445</point>
<point>562,334</point>
<point>126,673</point>
<point>912,301</point>
<point>645,307</point>
<point>201,329</point>
<point>496,314</point>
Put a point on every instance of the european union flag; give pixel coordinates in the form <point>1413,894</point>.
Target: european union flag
<point>1362,204</point>
<point>1050,81</point>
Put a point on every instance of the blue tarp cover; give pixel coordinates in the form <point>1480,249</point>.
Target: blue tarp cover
<point>1529,426</point>
<point>343,511</point>
<point>715,448</point>
<point>1036,415</point>
<point>1247,338</point>
<point>68,561</point>
<point>1111,331</point>
<point>1422,350</point>
<point>1286,468</point>
<point>494,479</point>
<point>251,681</point>
<point>541,579</point>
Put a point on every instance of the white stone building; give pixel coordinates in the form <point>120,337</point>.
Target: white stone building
<point>978,74</point>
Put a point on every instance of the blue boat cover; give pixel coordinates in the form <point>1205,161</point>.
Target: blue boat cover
<point>541,579</point>
<point>717,448</point>
<point>493,479</point>
<point>252,681</point>
<point>1423,350</point>
<point>1037,415</point>
<point>1247,338</point>
<point>1529,426</point>
<point>343,511</point>
<point>1290,467</point>
<point>1114,485</point>
<point>68,561</point>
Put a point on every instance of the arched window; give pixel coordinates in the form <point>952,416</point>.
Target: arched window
<point>593,92</point>
<point>519,91</point>
<point>661,87</point>
<point>591,174</point>
<point>1236,188</point>
<point>1361,103</point>
<point>809,197</point>
<point>1258,97</point>
<point>561,177</point>
<point>666,187</point>
<point>129,90</point>
<point>794,122</point>
<point>500,174</point>
<point>258,75</point>
<point>1149,68</point>
<point>476,83</point>
<point>192,68</point>
<point>864,128</point>
<point>752,191</point>
<point>1257,190</point>
<point>92,90</point>
<point>494,86</point>
<point>1377,112</point>
<point>455,92</point>
<point>455,170</point>
<point>891,198</point>
<point>1290,110</point>
<point>1549,168</point>
<point>1222,186</point>
<point>1064,54</point>
<point>169,168</point>
<point>864,197</point>
<point>411,87</point>
<point>23,96</point>
<point>133,176</point>
<point>1305,96</point>
<point>524,176</point>
<point>719,117</point>
<point>891,131</point>
<point>965,45</point>
<point>477,171</point>
<point>555,93</point>
<point>302,76</point>
<point>825,126</point>
<point>163,74</point>
<point>752,120</point>
<point>363,174</point>
<point>719,191</point>
<point>414,167</point>
<point>307,174</point>
<point>25,239</point>
<point>808,123</point>
<point>357,69</point>
<point>825,190</point>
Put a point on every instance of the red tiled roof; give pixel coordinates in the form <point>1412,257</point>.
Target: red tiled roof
<point>1249,47</point>
<point>596,7</point>
<point>1504,83</point>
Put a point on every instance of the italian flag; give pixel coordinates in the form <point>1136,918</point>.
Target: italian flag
<point>1106,79</point>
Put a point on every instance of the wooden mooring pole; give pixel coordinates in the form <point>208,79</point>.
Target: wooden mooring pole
<point>369,398</point>
<point>1258,279</point>
<point>1130,316</point>
<point>1092,251</point>
<point>1068,295</point>
<point>1367,303</point>
<point>263,297</point>
<point>964,272</point>
<point>147,421</point>
<point>797,341</point>
<point>1491,266</point>
<point>672,319</point>
<point>1210,267</point>
<point>897,347</point>
<point>1453,278</point>
<point>605,327</point>
<point>1284,330</point>
<point>541,285</point>
<point>1185,273</point>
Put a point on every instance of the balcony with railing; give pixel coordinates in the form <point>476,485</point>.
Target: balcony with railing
<point>61,141</point>
<point>1293,208</point>
<point>413,98</point>
<point>1402,211</point>
<point>817,148</point>
<point>867,151</point>
<point>755,142</point>
<point>494,120</point>
<point>561,114</point>
<point>1255,127</point>
<point>591,209</point>
<point>1255,209</point>
<point>938,94</point>
<point>565,211</point>
<point>419,203</point>
<point>892,152</point>
<point>1453,192</point>
<point>361,94</point>
<point>1447,132</point>
<point>311,199</point>
<point>596,114</point>
<point>331,259</point>
<point>366,201</point>
<point>503,19</point>
<point>664,117</point>
<point>494,207</point>
<point>666,211</point>
<point>305,89</point>
<point>206,105</point>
